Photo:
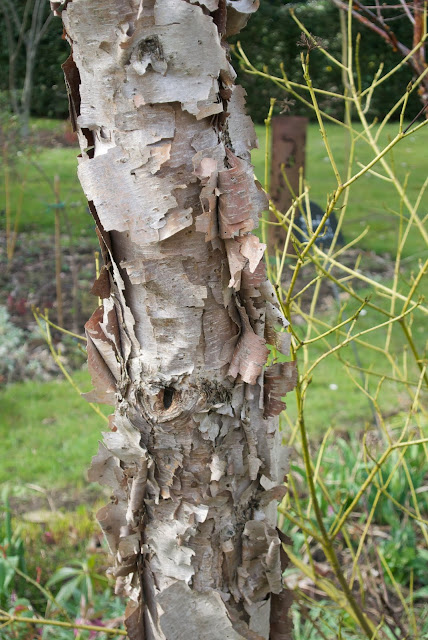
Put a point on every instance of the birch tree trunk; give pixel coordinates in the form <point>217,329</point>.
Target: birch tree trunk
<point>194,458</point>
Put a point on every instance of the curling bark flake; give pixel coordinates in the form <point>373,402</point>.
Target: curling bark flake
<point>179,346</point>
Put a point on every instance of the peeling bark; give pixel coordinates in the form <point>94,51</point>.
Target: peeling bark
<point>194,457</point>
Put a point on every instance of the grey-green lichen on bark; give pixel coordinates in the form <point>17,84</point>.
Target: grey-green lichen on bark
<point>194,458</point>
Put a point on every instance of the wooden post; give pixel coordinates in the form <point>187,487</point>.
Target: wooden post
<point>288,149</point>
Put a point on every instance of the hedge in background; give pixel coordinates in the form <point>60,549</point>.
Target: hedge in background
<point>271,38</point>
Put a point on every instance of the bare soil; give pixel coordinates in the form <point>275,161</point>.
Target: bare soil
<point>29,281</point>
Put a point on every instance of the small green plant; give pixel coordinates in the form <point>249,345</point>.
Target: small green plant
<point>85,606</point>
<point>79,580</point>
<point>11,551</point>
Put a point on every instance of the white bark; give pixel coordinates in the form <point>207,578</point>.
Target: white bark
<point>194,457</point>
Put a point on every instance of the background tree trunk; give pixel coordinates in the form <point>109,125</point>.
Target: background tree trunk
<point>19,35</point>
<point>194,457</point>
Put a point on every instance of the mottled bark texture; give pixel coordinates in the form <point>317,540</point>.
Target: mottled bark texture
<point>194,458</point>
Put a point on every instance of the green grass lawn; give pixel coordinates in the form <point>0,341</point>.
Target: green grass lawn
<point>36,174</point>
<point>48,432</point>
<point>372,200</point>
<point>333,398</point>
